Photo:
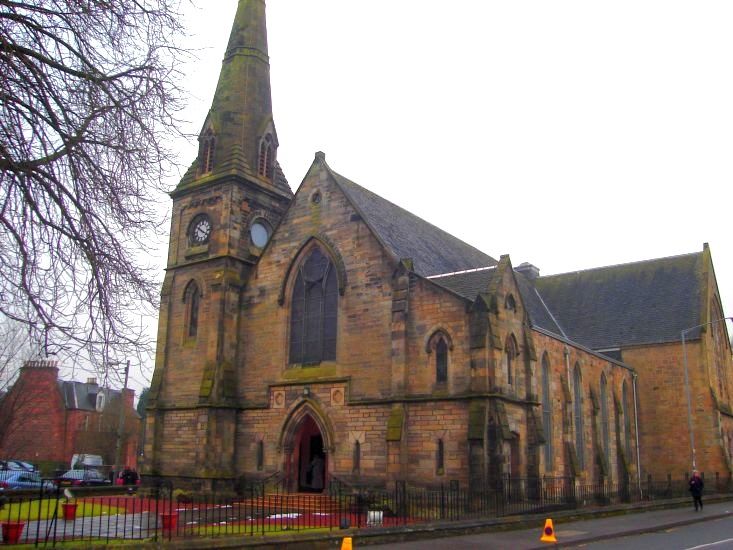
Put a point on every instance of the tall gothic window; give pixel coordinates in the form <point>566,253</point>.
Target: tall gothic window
<point>627,418</point>
<point>510,350</point>
<point>314,310</point>
<point>547,411</point>
<point>192,299</point>
<point>605,423</point>
<point>266,162</point>
<point>440,344</point>
<point>578,416</point>
<point>206,151</point>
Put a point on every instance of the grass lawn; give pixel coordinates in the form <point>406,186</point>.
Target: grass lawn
<point>36,509</point>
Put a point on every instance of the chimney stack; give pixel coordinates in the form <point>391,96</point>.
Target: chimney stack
<point>528,270</point>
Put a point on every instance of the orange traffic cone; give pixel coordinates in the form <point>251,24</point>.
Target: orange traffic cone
<point>346,544</point>
<point>548,533</point>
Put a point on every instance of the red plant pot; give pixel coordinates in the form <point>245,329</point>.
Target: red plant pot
<point>169,521</point>
<point>69,509</point>
<point>12,531</point>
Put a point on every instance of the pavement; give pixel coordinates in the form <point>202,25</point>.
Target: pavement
<point>570,530</point>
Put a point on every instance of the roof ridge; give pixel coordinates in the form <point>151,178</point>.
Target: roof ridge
<point>475,269</point>
<point>620,265</point>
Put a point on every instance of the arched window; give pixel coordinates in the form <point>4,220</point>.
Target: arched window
<point>266,163</point>
<point>510,351</point>
<point>605,424</point>
<point>260,455</point>
<point>357,458</point>
<point>314,310</point>
<point>547,411</point>
<point>440,344</point>
<point>627,418</point>
<point>207,143</point>
<point>192,299</point>
<point>578,416</point>
<point>440,458</point>
<point>510,303</point>
<point>441,361</point>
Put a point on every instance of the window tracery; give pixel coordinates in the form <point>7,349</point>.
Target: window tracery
<point>313,315</point>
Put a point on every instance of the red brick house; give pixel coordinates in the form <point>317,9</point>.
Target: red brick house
<point>47,420</point>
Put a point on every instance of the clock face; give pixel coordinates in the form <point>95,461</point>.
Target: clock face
<point>200,230</point>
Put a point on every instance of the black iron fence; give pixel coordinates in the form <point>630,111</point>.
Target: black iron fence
<point>160,512</point>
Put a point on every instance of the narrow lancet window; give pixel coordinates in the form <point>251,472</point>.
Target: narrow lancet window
<point>578,414</point>
<point>441,361</point>
<point>266,163</point>
<point>192,299</point>
<point>206,152</point>
<point>547,411</point>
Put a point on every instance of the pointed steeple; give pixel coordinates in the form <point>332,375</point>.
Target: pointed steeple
<point>238,136</point>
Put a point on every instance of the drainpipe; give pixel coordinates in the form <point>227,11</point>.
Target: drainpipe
<point>636,425</point>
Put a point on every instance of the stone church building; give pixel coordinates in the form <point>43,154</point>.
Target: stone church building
<point>330,334</point>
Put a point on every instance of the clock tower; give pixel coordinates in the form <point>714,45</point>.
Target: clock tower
<point>224,211</point>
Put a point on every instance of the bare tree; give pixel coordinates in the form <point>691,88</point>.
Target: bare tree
<point>88,112</point>
<point>16,346</point>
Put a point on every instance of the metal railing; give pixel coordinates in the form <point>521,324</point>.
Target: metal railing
<point>159,512</point>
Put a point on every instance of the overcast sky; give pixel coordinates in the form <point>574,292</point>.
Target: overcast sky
<point>569,134</point>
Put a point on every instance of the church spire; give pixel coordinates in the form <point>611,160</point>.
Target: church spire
<point>238,136</point>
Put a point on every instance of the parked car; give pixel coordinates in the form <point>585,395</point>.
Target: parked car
<point>12,464</point>
<point>20,479</point>
<point>82,478</point>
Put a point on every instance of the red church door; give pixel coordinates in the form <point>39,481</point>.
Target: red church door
<point>311,459</point>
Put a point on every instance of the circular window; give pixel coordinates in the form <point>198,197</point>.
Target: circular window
<point>316,197</point>
<point>259,232</point>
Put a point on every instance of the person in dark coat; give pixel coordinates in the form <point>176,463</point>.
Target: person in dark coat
<point>696,486</point>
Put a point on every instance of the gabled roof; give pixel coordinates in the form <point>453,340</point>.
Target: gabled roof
<point>470,283</point>
<point>466,283</point>
<point>637,303</point>
<point>432,250</point>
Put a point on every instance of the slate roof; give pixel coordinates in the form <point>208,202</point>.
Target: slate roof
<point>637,303</point>
<point>83,396</point>
<point>432,250</point>
<point>539,314</point>
<point>468,283</point>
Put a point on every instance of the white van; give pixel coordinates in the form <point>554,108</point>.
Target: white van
<point>81,461</point>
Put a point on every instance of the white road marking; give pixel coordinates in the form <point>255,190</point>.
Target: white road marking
<point>711,544</point>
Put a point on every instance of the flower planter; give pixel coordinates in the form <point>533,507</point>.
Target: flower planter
<point>169,521</point>
<point>12,531</point>
<point>69,509</point>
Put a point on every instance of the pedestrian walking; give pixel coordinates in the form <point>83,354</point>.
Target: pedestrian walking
<point>696,486</point>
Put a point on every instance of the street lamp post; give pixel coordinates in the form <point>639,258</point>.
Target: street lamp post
<point>121,423</point>
<point>687,385</point>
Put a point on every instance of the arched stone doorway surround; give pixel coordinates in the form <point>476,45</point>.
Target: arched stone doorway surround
<point>306,440</point>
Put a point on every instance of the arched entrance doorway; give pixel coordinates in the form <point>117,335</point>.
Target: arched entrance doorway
<point>311,457</point>
<point>306,440</point>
